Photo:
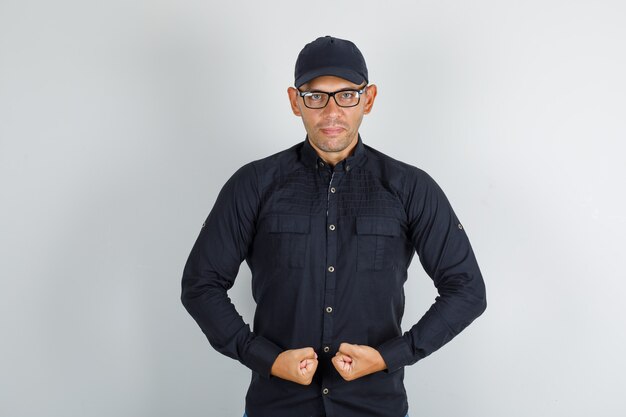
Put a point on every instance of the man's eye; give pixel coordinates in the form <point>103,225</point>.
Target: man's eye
<point>315,96</point>
<point>347,94</point>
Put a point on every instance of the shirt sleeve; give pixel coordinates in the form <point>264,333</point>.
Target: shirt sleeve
<point>212,267</point>
<point>445,253</point>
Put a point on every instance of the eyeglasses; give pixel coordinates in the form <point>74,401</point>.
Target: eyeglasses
<point>319,99</point>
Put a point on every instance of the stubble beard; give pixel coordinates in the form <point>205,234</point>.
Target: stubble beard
<point>337,144</point>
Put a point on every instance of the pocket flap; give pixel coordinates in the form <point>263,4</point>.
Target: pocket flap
<point>385,226</point>
<point>289,223</point>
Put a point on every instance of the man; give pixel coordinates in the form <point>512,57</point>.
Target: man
<point>328,228</point>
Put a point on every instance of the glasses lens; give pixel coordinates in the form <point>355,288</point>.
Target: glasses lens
<point>316,100</point>
<point>347,98</point>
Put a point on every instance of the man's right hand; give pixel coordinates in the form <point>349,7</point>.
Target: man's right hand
<point>296,365</point>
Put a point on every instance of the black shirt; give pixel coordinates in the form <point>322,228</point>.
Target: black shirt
<point>329,249</point>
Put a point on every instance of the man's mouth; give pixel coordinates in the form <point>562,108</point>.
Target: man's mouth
<point>334,130</point>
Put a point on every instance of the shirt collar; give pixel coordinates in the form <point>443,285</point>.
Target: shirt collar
<point>310,157</point>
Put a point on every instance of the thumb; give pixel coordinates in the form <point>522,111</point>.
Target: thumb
<point>347,349</point>
<point>306,353</point>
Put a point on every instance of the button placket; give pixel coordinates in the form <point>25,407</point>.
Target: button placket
<point>332,270</point>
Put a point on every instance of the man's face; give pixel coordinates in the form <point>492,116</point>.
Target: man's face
<point>332,129</point>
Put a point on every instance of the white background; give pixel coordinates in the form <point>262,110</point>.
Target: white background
<point>121,120</point>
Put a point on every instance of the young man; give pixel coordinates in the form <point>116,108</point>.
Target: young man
<point>328,228</point>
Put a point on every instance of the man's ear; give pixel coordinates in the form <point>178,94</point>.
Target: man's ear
<point>369,97</point>
<point>293,100</point>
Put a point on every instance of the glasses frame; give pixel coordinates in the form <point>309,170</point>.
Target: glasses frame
<point>358,92</point>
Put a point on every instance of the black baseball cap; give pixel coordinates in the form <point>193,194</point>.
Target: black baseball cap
<point>328,55</point>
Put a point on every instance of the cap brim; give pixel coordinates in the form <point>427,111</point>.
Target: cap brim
<point>344,73</point>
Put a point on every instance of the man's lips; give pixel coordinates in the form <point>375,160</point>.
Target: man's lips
<point>331,130</point>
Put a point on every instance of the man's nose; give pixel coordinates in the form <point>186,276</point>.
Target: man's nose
<point>332,107</point>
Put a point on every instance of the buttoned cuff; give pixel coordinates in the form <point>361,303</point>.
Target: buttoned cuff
<point>261,355</point>
<point>396,353</point>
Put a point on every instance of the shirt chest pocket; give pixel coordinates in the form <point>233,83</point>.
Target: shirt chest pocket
<point>377,238</point>
<point>288,240</point>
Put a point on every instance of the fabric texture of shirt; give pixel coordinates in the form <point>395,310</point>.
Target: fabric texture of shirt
<point>328,249</point>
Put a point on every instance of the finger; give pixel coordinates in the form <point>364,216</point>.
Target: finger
<point>302,369</point>
<point>337,363</point>
<point>343,357</point>
<point>340,364</point>
<point>310,366</point>
<point>345,370</point>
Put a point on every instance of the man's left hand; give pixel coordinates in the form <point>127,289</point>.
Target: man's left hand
<point>355,361</point>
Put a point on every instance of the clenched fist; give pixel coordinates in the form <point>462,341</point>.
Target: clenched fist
<point>355,361</point>
<point>296,365</point>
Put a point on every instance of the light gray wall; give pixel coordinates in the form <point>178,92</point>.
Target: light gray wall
<point>121,120</point>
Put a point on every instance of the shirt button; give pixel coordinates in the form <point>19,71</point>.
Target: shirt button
<point>326,349</point>
<point>321,164</point>
<point>332,190</point>
<point>460,226</point>
<point>331,227</point>
<point>347,167</point>
<point>325,391</point>
<point>329,309</point>
<point>331,269</point>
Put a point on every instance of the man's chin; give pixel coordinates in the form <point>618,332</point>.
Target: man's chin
<point>334,148</point>
<point>333,144</point>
